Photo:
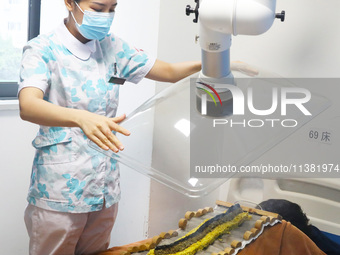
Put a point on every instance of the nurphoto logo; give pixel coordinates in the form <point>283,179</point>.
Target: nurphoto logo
<point>204,97</point>
<point>281,98</point>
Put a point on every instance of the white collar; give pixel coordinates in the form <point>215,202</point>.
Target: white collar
<point>76,47</point>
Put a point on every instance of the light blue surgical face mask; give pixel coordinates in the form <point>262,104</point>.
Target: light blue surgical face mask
<point>95,25</point>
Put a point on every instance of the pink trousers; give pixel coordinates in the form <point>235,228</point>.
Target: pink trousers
<point>57,233</point>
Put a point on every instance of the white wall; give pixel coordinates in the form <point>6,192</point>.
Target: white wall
<point>305,45</point>
<point>16,157</point>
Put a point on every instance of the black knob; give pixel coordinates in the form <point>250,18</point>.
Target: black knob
<point>189,10</point>
<point>281,16</point>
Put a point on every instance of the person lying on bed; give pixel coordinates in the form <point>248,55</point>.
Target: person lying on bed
<point>293,213</point>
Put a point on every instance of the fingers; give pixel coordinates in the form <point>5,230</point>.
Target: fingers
<point>108,141</point>
<point>114,141</point>
<point>119,118</point>
<point>101,144</point>
<point>120,129</point>
<point>99,129</point>
<point>115,127</point>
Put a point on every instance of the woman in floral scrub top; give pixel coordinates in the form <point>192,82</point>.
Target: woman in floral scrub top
<point>66,87</point>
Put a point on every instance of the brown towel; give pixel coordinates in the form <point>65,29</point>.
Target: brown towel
<point>282,239</point>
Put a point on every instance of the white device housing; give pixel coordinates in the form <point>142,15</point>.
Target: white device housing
<point>219,19</point>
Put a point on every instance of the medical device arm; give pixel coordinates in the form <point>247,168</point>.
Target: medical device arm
<point>220,19</point>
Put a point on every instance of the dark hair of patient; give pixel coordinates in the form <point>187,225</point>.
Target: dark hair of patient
<point>289,211</point>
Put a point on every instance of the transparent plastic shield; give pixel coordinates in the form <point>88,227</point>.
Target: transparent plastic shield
<point>179,143</point>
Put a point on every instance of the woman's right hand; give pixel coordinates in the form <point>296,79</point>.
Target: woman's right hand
<point>99,129</point>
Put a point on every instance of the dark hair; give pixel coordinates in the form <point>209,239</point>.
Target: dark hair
<point>289,211</point>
